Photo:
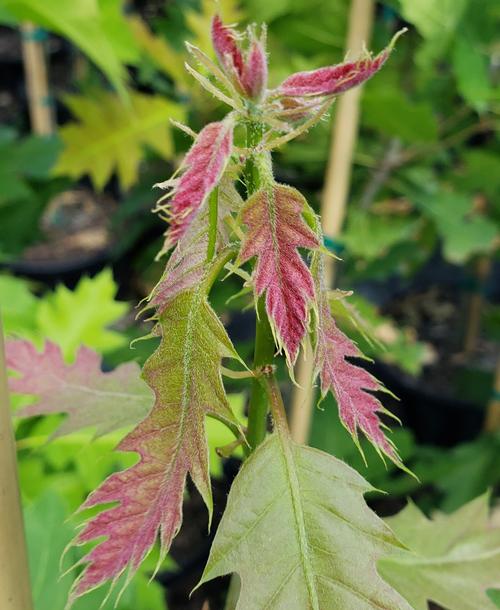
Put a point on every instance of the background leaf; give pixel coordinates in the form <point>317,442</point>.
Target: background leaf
<point>453,558</point>
<point>70,318</point>
<point>95,26</point>
<point>110,135</point>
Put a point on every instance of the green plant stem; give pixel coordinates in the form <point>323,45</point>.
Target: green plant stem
<point>213,215</point>
<point>273,392</point>
<point>263,355</point>
<point>264,341</point>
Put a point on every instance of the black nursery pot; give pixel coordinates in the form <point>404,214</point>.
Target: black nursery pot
<point>435,419</point>
<point>434,406</point>
<point>68,271</point>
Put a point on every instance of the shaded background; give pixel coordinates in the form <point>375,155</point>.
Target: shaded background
<point>419,246</point>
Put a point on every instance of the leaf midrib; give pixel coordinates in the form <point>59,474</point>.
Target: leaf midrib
<point>298,514</point>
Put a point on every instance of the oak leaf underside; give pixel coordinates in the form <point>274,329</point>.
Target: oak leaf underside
<point>275,230</point>
<point>300,536</point>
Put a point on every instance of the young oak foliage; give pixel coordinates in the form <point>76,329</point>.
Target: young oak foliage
<point>290,498</point>
<point>350,384</point>
<point>304,539</point>
<point>276,229</point>
<point>184,374</point>
<point>201,170</point>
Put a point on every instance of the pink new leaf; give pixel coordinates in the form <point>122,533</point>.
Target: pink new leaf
<point>254,76</point>
<point>276,229</point>
<point>91,398</point>
<point>247,71</point>
<point>350,384</point>
<point>186,266</point>
<point>333,80</point>
<point>201,170</point>
<point>224,41</point>
<point>184,373</point>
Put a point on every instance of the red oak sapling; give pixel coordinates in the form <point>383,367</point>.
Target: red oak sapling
<point>296,527</point>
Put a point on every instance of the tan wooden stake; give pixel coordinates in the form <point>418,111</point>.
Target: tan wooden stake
<point>492,422</point>
<point>15,593</point>
<point>35,69</point>
<point>334,200</point>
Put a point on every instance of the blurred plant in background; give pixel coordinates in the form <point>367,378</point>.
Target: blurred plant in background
<point>420,241</point>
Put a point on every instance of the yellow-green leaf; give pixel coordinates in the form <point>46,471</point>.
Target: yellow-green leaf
<point>110,135</point>
<point>97,27</point>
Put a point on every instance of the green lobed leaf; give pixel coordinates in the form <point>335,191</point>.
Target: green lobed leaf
<point>110,135</point>
<point>463,232</point>
<point>437,22</point>
<point>22,159</point>
<point>452,559</point>
<point>299,535</point>
<point>390,112</point>
<point>81,316</point>
<point>471,69</point>
<point>370,236</point>
<point>48,533</point>
<point>18,306</point>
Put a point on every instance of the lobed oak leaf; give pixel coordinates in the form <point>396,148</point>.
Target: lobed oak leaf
<point>350,384</point>
<point>184,373</point>
<point>452,559</point>
<point>276,229</point>
<point>333,80</point>
<point>299,535</point>
<point>201,171</point>
<point>110,134</point>
<point>91,398</point>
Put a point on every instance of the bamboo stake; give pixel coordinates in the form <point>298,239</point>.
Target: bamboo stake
<point>35,68</point>
<point>15,593</point>
<point>492,422</point>
<point>334,199</point>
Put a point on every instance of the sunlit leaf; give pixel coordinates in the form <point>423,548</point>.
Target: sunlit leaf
<point>110,135</point>
<point>71,318</point>
<point>96,26</point>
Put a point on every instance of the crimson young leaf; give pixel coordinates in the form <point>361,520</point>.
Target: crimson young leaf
<point>276,229</point>
<point>201,170</point>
